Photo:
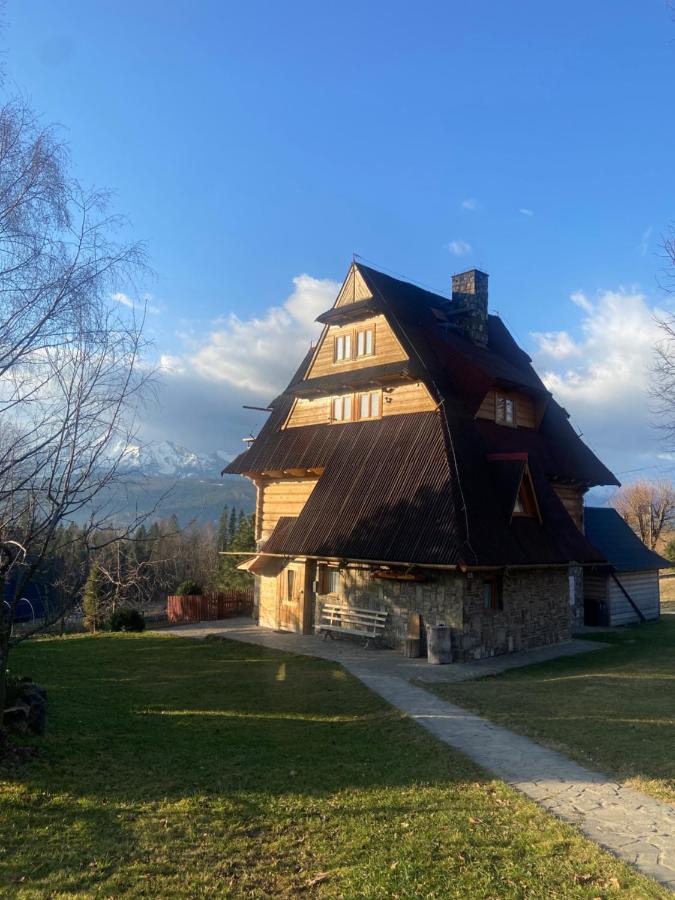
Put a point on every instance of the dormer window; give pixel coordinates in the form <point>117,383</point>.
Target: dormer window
<point>343,347</point>
<point>505,410</point>
<point>341,408</point>
<point>365,342</point>
<point>526,502</point>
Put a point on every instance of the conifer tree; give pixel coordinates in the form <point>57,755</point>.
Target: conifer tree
<point>93,599</point>
<point>224,529</point>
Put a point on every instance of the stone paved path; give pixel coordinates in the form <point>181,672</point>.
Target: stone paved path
<point>631,825</point>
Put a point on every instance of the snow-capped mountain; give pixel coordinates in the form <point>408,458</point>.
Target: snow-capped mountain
<point>167,458</point>
<point>165,479</point>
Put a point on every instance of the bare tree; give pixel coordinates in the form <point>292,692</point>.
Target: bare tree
<point>648,507</point>
<point>70,357</point>
<point>662,387</point>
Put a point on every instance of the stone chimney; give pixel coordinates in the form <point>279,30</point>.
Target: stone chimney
<point>468,309</point>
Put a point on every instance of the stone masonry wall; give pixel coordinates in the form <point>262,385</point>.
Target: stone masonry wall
<point>536,611</point>
<point>438,600</point>
<point>536,608</point>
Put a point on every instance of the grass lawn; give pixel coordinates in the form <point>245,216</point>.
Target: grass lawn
<point>613,709</point>
<point>667,592</point>
<point>177,768</point>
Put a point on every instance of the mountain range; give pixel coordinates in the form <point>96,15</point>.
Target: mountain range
<point>166,479</point>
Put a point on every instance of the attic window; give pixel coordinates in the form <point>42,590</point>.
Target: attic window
<point>341,408</point>
<point>365,342</point>
<point>504,410</point>
<point>343,347</point>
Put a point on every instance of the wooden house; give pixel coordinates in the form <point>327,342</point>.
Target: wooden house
<point>417,463</point>
<point>626,590</point>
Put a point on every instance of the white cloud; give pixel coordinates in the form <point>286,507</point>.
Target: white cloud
<point>602,378</point>
<point>556,344</point>
<point>524,211</point>
<point>144,302</point>
<point>459,248</point>
<point>581,300</point>
<point>644,240</point>
<point>259,354</point>
<point>470,203</point>
<point>236,361</point>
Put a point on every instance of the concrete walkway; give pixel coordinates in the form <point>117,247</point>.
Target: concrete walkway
<point>351,654</point>
<point>631,825</point>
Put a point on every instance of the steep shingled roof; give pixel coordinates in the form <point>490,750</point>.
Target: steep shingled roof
<point>419,487</point>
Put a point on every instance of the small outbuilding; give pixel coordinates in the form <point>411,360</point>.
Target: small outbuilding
<point>626,590</point>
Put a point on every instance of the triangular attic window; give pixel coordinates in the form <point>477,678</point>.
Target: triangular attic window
<point>526,500</point>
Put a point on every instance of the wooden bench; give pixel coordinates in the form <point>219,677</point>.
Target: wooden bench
<point>336,618</point>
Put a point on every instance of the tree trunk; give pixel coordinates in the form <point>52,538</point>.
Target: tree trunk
<point>4,654</point>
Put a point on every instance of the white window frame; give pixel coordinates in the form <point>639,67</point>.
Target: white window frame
<point>508,404</point>
<point>342,408</point>
<point>365,342</point>
<point>342,348</point>
<point>373,401</point>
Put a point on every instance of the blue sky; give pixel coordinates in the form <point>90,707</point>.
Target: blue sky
<point>253,144</point>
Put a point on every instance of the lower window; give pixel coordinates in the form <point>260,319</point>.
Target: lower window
<point>331,581</point>
<point>492,592</point>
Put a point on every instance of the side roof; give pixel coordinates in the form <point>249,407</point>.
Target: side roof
<point>618,543</point>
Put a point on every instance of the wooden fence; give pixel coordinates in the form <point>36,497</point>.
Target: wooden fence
<point>209,607</point>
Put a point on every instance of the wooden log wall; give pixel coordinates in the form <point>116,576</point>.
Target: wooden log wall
<point>404,398</point>
<point>280,497</point>
<point>387,348</point>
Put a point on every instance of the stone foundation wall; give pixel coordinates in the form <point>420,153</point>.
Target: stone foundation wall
<point>438,600</point>
<point>536,608</point>
<point>536,611</point>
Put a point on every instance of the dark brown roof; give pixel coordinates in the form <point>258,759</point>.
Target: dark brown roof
<point>421,487</point>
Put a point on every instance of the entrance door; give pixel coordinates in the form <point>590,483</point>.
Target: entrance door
<point>290,601</point>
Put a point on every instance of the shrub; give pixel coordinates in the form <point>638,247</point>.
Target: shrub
<point>188,588</point>
<point>127,620</point>
<point>12,688</point>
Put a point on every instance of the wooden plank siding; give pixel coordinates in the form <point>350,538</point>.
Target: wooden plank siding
<point>525,414</point>
<point>404,398</point>
<point>643,588</point>
<point>595,587</point>
<point>387,348</point>
<point>572,497</point>
<point>280,497</point>
<point>354,289</point>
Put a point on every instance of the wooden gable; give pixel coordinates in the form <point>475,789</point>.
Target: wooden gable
<point>386,347</point>
<point>353,289</point>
